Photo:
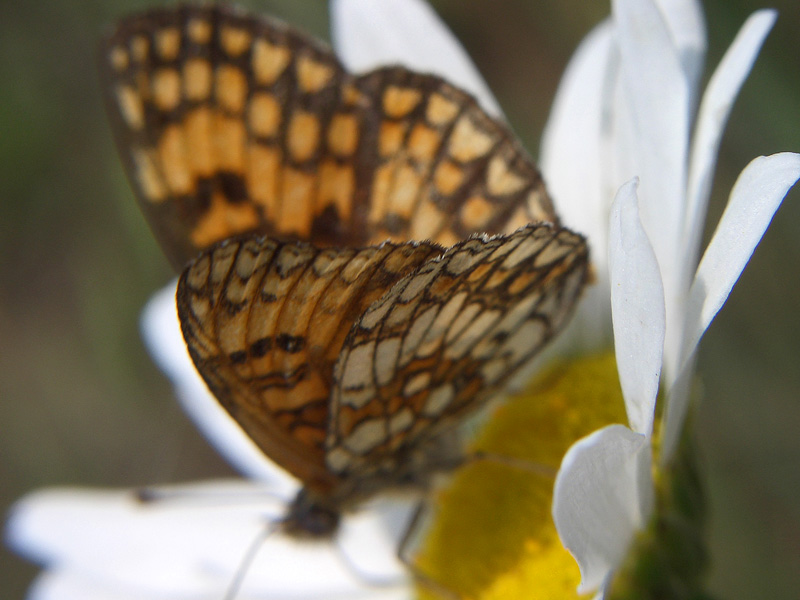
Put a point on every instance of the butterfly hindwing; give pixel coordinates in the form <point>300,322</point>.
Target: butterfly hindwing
<point>264,322</point>
<point>447,338</point>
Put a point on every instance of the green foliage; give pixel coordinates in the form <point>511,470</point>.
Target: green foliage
<point>669,559</point>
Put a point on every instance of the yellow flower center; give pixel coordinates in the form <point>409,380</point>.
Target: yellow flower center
<point>493,536</point>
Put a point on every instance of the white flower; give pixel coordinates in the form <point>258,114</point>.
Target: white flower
<point>631,90</point>
<point>189,542</point>
<point>605,125</point>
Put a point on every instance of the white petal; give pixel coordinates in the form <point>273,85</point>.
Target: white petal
<point>381,525</point>
<point>369,34</point>
<point>687,27</point>
<point>654,83</point>
<point>715,107</point>
<point>186,543</point>
<point>677,404</point>
<point>572,142</point>
<point>603,494</point>
<point>755,197</point>
<point>162,333</point>
<point>572,159</point>
<point>69,584</point>
<point>192,544</point>
<point>637,309</point>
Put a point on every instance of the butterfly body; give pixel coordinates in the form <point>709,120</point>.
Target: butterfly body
<point>366,259</point>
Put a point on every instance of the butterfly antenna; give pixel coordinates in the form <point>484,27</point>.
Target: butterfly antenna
<point>154,495</point>
<point>247,560</point>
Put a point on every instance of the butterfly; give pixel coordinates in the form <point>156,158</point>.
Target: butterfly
<point>366,259</point>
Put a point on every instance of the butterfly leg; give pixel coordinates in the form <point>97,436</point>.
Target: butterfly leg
<point>513,462</point>
<point>416,526</point>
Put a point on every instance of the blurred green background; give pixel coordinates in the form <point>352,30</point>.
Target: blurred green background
<point>82,404</point>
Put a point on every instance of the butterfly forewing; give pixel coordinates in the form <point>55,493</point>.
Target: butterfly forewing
<point>220,120</point>
<point>441,168</point>
<point>265,322</point>
<point>229,123</point>
<point>445,339</point>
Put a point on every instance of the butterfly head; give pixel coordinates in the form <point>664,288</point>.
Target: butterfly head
<point>310,517</point>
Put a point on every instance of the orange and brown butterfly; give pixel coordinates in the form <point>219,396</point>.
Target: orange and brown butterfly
<point>365,259</point>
